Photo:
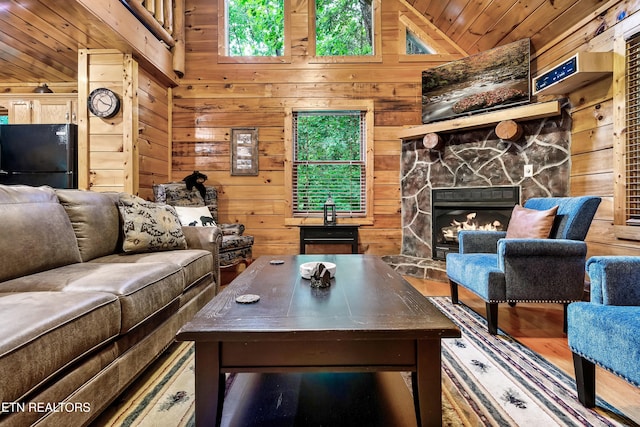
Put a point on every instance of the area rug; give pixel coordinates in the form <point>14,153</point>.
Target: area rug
<point>487,381</point>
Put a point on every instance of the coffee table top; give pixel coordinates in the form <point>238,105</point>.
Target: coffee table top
<point>366,300</point>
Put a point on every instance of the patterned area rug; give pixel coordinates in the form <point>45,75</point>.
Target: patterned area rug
<point>487,381</point>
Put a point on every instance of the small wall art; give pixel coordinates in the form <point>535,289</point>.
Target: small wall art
<point>244,151</point>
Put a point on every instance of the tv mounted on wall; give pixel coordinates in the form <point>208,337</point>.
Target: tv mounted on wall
<point>497,78</point>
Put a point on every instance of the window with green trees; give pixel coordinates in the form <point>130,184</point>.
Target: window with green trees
<point>344,27</point>
<point>329,159</point>
<point>415,46</point>
<point>254,27</point>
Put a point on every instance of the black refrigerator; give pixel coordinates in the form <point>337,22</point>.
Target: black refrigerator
<point>39,155</point>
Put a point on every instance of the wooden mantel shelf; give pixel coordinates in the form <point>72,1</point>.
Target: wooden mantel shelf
<point>524,112</point>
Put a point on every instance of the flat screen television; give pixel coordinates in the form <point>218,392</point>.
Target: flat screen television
<point>497,78</point>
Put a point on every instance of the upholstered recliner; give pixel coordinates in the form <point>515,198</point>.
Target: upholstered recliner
<point>514,270</point>
<point>606,330</point>
<point>236,247</point>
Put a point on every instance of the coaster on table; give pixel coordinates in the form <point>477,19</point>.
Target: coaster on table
<point>276,262</point>
<point>247,299</point>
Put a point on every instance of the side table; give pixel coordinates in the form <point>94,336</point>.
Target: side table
<point>329,234</point>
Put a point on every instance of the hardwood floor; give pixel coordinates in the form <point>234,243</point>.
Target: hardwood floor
<point>539,327</point>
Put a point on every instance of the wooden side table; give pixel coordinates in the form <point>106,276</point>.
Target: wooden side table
<point>329,234</point>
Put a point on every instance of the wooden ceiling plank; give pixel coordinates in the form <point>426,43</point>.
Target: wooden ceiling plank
<point>538,20</point>
<point>467,17</point>
<point>570,18</point>
<point>483,24</point>
<point>30,40</point>
<point>31,66</point>
<point>451,13</point>
<point>508,23</point>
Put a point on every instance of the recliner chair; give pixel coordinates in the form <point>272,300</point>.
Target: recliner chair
<point>236,247</point>
<point>515,270</point>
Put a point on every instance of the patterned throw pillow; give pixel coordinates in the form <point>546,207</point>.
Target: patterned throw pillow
<point>195,216</point>
<point>149,227</point>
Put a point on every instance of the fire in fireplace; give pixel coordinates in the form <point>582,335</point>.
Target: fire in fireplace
<point>456,209</point>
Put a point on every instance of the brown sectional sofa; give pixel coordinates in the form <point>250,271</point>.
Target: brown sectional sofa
<point>80,318</point>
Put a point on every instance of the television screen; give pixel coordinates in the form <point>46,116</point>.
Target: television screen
<point>497,78</point>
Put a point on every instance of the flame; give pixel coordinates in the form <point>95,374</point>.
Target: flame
<point>451,233</point>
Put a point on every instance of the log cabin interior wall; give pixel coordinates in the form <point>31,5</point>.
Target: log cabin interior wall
<point>214,96</point>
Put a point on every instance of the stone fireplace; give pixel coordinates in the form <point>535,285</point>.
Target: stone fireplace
<point>472,159</point>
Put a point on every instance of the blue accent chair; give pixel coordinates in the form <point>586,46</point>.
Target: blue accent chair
<point>606,330</point>
<point>526,270</point>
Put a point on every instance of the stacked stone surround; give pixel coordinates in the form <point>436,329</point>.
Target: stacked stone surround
<point>476,158</point>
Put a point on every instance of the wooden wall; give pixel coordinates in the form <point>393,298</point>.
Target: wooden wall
<point>213,97</point>
<point>154,150</point>
<point>597,115</point>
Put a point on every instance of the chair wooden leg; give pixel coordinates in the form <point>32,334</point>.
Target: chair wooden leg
<point>585,380</point>
<point>454,291</point>
<point>492,317</point>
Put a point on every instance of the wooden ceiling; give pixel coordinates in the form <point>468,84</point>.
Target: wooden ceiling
<point>39,39</point>
<point>478,25</point>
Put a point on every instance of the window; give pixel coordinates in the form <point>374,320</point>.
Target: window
<point>632,167</point>
<point>329,153</point>
<point>345,30</point>
<point>344,27</point>
<point>253,30</point>
<point>415,46</point>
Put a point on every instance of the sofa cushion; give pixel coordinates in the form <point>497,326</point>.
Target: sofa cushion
<point>530,223</point>
<point>479,273</point>
<point>42,332</point>
<point>607,335</point>
<point>195,263</point>
<point>34,221</point>
<point>149,226</point>
<point>95,219</point>
<point>141,291</point>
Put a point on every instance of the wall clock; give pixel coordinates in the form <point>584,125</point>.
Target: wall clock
<point>103,103</point>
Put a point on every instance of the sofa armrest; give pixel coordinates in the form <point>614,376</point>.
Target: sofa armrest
<point>232,229</point>
<point>615,280</point>
<point>477,241</point>
<point>543,269</point>
<point>207,238</point>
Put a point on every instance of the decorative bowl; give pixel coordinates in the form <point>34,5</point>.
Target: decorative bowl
<point>307,268</point>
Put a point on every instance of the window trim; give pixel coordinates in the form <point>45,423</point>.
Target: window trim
<point>223,56</point>
<point>624,32</point>
<point>441,54</point>
<point>377,39</point>
<point>329,105</point>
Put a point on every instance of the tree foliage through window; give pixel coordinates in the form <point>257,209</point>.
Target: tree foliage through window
<point>255,27</point>
<point>329,160</point>
<point>344,27</point>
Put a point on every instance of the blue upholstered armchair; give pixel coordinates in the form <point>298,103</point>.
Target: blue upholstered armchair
<point>514,270</point>
<point>606,330</point>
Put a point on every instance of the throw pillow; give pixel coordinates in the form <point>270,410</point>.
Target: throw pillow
<point>195,216</point>
<point>149,226</point>
<point>530,223</point>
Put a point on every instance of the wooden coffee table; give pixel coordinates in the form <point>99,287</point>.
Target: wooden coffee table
<point>370,319</point>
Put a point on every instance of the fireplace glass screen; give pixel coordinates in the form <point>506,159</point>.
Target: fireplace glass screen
<point>459,209</point>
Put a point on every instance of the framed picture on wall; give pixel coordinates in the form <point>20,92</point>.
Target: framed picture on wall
<point>244,151</point>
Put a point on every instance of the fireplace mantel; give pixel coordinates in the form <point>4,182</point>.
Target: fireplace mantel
<point>524,112</point>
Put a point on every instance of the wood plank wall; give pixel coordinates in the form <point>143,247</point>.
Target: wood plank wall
<point>593,113</point>
<point>214,97</point>
<point>154,148</point>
